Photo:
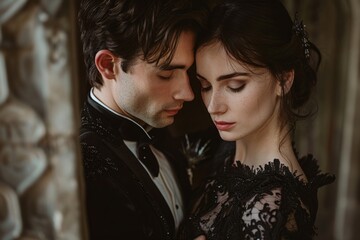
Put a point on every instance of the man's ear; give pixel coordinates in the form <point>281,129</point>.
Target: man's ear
<point>286,82</point>
<point>104,61</point>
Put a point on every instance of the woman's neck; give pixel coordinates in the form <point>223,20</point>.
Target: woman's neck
<point>259,149</point>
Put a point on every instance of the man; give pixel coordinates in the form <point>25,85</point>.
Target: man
<point>137,53</point>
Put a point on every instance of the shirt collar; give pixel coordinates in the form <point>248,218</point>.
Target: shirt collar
<point>98,101</point>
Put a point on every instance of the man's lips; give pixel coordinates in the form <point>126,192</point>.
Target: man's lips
<point>173,111</point>
<point>223,126</point>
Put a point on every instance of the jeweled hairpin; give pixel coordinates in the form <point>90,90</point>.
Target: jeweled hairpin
<point>299,29</point>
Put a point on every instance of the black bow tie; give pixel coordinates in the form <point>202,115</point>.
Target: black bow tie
<point>132,132</point>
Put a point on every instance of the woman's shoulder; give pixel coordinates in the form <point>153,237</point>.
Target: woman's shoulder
<point>316,177</point>
<point>275,174</point>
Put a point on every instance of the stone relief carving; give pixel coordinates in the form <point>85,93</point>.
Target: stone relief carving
<point>38,180</point>
<point>10,219</point>
<point>7,9</point>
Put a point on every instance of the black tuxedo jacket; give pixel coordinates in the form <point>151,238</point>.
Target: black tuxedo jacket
<point>122,202</point>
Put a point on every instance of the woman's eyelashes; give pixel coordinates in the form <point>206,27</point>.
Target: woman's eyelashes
<point>233,86</point>
<point>236,87</point>
<point>205,88</point>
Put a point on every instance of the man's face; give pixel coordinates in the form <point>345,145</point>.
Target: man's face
<point>151,94</point>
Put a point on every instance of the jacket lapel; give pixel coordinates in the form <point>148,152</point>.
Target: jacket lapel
<point>97,115</point>
<point>154,195</point>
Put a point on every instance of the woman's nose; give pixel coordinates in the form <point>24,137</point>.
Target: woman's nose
<point>216,104</point>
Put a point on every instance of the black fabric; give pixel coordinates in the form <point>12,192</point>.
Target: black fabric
<point>122,202</point>
<point>146,156</point>
<point>265,203</point>
<point>130,131</point>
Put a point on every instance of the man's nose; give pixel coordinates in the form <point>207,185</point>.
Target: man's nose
<point>185,91</point>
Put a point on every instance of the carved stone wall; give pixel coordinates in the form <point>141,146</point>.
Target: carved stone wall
<point>39,173</point>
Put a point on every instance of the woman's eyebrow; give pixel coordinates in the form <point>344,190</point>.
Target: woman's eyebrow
<point>231,75</point>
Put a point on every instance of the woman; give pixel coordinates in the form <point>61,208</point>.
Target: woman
<point>254,67</point>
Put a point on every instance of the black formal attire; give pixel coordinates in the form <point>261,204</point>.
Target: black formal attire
<point>267,203</point>
<point>122,201</point>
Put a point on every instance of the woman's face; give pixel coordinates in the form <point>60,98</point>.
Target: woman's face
<point>243,101</point>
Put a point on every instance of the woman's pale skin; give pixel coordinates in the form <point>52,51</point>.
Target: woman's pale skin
<point>244,104</point>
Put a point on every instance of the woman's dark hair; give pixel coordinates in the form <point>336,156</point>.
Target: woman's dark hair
<point>261,33</point>
<point>133,28</point>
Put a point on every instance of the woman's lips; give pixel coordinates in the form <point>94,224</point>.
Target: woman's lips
<point>223,126</point>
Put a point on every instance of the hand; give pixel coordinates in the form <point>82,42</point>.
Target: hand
<point>202,237</point>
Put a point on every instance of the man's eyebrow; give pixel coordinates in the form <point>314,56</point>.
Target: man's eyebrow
<point>227,76</point>
<point>169,67</point>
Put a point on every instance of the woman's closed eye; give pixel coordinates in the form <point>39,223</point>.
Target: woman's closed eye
<point>205,88</point>
<point>236,86</point>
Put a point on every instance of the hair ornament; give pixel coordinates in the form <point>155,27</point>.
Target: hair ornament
<point>299,29</point>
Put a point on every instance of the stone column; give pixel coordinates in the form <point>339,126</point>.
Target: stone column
<point>39,162</point>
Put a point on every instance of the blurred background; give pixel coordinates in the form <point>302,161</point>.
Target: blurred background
<point>43,85</point>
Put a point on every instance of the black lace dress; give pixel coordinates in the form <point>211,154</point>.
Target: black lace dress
<point>265,203</point>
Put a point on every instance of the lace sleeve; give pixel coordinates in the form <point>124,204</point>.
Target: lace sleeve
<point>276,215</point>
<point>261,216</point>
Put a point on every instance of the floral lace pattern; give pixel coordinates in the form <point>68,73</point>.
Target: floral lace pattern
<point>270,202</point>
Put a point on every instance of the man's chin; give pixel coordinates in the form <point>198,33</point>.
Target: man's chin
<point>164,122</point>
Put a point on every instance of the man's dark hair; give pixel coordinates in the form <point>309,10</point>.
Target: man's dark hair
<point>134,28</point>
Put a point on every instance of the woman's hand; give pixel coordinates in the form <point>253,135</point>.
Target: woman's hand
<point>202,237</point>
